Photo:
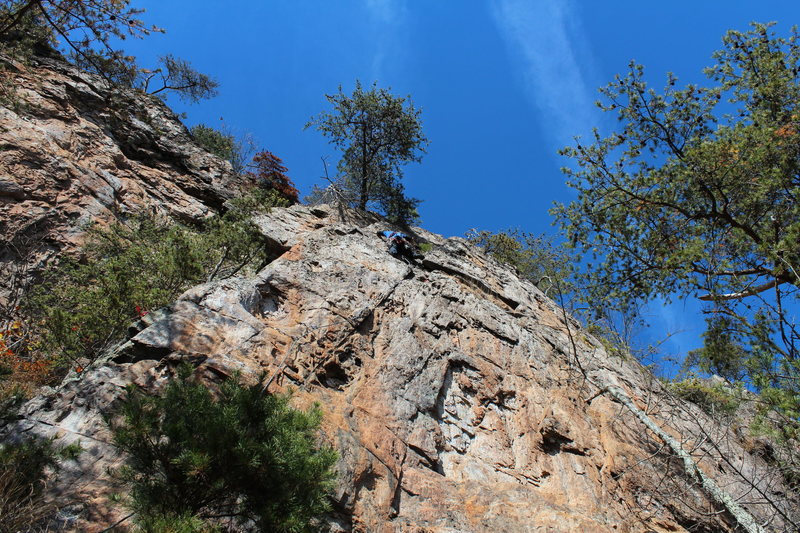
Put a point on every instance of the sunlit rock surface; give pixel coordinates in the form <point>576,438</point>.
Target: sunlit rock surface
<point>73,150</point>
<point>460,398</point>
<point>450,389</point>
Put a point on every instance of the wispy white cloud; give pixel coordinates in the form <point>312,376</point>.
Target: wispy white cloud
<point>544,37</point>
<point>385,10</point>
<point>386,17</point>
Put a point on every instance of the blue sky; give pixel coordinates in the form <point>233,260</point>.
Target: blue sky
<point>502,85</point>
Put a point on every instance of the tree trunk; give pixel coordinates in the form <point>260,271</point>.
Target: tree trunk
<point>362,203</point>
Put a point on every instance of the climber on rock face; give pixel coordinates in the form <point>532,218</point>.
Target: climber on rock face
<point>400,245</point>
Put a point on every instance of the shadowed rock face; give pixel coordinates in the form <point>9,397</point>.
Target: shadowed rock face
<point>450,389</point>
<point>74,150</point>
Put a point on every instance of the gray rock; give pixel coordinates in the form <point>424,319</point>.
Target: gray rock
<point>81,151</point>
<point>450,390</point>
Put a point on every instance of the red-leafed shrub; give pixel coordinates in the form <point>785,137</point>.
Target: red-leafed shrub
<point>271,172</point>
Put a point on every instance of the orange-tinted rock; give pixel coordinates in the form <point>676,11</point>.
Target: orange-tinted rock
<point>74,151</point>
<point>450,390</point>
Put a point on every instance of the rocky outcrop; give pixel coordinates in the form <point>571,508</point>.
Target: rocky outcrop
<point>76,150</point>
<point>460,398</point>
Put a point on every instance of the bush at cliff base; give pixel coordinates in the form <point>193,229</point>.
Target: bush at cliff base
<point>237,458</point>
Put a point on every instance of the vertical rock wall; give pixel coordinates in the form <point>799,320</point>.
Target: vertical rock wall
<point>451,390</point>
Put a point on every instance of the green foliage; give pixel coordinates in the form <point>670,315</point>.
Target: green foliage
<point>696,194</point>
<point>127,269</point>
<point>29,459</point>
<point>723,353</point>
<point>219,143</point>
<point>223,143</point>
<point>24,468</point>
<point>173,74</point>
<point>684,197</point>
<point>714,398</point>
<point>130,268</point>
<point>81,25</point>
<point>535,257</point>
<point>87,29</point>
<point>231,243</point>
<point>19,42</point>
<point>612,343</point>
<point>377,133</point>
<point>116,67</point>
<point>240,453</point>
<point>20,30</point>
<point>178,75</point>
<point>173,524</point>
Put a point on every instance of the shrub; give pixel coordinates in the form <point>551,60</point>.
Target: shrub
<point>23,471</point>
<point>237,149</point>
<point>270,172</point>
<point>130,268</point>
<point>219,143</point>
<point>536,258</point>
<point>241,454</point>
<point>173,524</point>
<point>22,476</point>
<point>713,398</point>
<point>127,269</point>
<point>22,368</point>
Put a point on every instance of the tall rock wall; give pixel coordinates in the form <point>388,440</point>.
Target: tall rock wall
<point>459,397</point>
<point>74,150</point>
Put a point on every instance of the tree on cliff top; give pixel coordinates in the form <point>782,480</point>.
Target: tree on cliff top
<point>378,133</point>
<point>697,194</point>
<point>270,172</point>
<point>534,256</point>
<point>83,25</point>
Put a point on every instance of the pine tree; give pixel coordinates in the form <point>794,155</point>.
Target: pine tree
<point>239,454</point>
<point>378,133</point>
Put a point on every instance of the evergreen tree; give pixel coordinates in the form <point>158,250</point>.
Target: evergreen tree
<point>270,172</point>
<point>87,30</point>
<point>378,133</point>
<point>239,454</point>
<point>697,195</point>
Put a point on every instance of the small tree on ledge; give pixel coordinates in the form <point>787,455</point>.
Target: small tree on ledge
<point>270,171</point>
<point>378,133</point>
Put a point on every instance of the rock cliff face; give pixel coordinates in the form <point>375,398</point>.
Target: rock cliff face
<point>451,390</point>
<point>75,150</point>
<point>460,398</point>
